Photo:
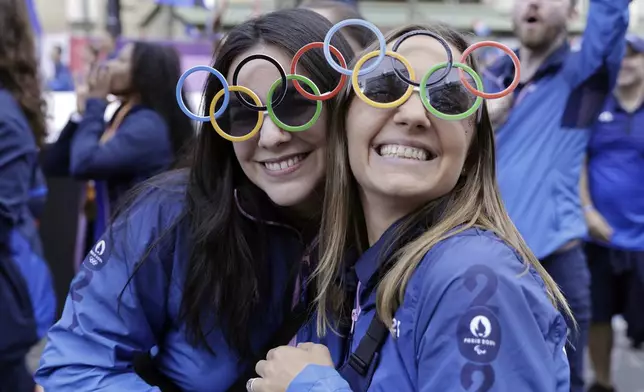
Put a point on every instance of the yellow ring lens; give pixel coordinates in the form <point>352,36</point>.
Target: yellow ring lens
<point>221,132</point>
<point>380,105</point>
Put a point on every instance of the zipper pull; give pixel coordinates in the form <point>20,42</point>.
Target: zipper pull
<point>355,313</point>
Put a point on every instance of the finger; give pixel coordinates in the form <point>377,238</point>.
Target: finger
<point>260,368</point>
<point>91,78</point>
<point>279,351</point>
<point>259,385</point>
<point>271,353</point>
<point>306,346</point>
<point>103,73</point>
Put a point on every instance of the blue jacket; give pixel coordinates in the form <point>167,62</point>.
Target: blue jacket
<point>22,192</point>
<point>92,346</point>
<point>139,149</point>
<point>471,314</point>
<point>62,80</point>
<point>615,165</point>
<point>541,146</point>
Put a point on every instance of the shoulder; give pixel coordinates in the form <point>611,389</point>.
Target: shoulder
<point>154,205</point>
<point>144,113</point>
<point>477,263</point>
<point>458,253</point>
<point>13,122</point>
<point>477,268</point>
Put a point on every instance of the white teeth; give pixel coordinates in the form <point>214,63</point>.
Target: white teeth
<point>398,151</point>
<point>285,164</point>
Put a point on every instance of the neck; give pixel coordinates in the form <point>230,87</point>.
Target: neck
<point>129,99</point>
<point>306,215</point>
<point>380,212</point>
<point>630,97</point>
<point>533,58</point>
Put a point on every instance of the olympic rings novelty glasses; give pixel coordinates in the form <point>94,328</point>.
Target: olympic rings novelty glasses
<point>448,94</point>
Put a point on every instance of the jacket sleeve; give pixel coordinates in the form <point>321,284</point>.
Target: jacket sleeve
<point>16,163</point>
<point>316,378</point>
<point>484,323</point>
<point>603,43</point>
<point>137,144</point>
<point>108,319</point>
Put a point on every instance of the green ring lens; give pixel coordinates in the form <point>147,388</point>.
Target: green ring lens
<point>277,121</point>
<point>425,99</point>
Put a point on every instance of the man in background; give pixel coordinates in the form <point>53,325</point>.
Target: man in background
<point>612,193</point>
<point>542,133</point>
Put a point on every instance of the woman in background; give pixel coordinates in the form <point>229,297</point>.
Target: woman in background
<point>27,298</point>
<point>145,136</point>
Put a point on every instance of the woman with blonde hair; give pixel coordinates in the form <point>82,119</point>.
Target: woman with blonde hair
<point>449,297</point>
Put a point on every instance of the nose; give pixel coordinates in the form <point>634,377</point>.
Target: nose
<point>270,135</point>
<point>533,3</point>
<point>413,115</point>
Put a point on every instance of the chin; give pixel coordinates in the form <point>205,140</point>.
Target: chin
<point>287,196</point>
<point>405,191</point>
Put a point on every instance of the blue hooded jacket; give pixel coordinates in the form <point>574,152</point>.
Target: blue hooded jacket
<point>541,146</point>
<point>472,315</point>
<point>22,195</point>
<point>93,345</point>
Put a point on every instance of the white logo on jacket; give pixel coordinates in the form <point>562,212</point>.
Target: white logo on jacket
<point>480,327</point>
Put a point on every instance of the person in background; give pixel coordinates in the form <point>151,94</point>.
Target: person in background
<point>62,79</point>
<point>337,11</point>
<point>542,133</point>
<point>27,298</point>
<point>145,136</point>
<point>612,192</point>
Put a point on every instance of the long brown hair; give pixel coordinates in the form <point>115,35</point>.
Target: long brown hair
<point>19,65</point>
<point>474,202</point>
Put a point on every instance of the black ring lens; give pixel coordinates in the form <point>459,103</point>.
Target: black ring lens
<point>450,57</point>
<point>277,65</point>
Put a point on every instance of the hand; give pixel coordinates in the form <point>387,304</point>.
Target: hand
<point>99,82</point>
<point>284,363</point>
<point>39,389</point>
<point>598,227</point>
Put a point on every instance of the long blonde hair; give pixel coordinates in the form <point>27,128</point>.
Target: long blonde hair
<point>475,201</point>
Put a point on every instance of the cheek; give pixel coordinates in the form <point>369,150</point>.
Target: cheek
<point>364,123</point>
<point>317,134</point>
<point>244,150</point>
<point>454,141</point>
<point>121,75</point>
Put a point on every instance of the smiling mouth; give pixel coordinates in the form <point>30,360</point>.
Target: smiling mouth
<point>404,152</point>
<point>285,164</point>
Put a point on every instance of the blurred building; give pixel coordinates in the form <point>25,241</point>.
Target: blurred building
<point>156,19</point>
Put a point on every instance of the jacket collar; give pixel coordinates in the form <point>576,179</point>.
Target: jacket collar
<point>504,67</point>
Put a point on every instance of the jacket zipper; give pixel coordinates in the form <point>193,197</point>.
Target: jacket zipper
<point>355,315</point>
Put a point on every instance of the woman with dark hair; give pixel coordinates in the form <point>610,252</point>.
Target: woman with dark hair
<point>207,266</point>
<point>449,295</point>
<point>27,299</point>
<point>146,135</point>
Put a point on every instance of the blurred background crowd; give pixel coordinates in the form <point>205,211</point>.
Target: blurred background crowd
<point>73,36</point>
